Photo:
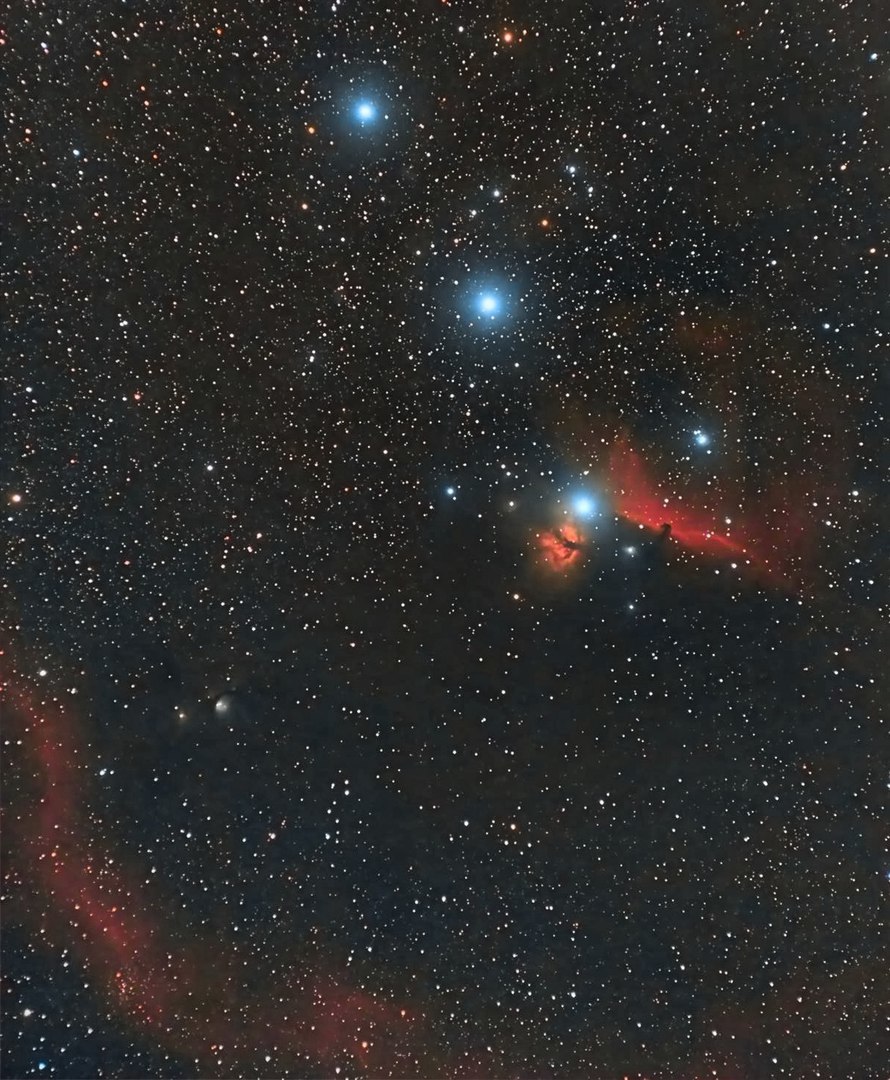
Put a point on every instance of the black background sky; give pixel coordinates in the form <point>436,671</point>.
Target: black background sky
<point>308,747</point>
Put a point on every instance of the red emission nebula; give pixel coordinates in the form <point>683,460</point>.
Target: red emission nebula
<point>189,998</point>
<point>769,540</point>
<point>638,499</point>
<point>561,547</point>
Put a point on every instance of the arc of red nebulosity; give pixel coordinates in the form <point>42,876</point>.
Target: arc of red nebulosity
<point>187,997</point>
<point>90,894</point>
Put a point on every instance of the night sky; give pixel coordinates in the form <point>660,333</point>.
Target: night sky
<point>444,482</point>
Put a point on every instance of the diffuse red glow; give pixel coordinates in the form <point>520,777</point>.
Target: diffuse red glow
<point>90,895</point>
<point>637,498</point>
<point>188,997</point>
<point>561,547</point>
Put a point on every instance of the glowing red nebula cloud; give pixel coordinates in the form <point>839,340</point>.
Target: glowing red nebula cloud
<point>561,547</point>
<point>92,899</point>
<point>641,501</point>
<point>188,997</point>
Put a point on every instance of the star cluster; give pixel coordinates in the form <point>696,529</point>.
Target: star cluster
<point>442,625</point>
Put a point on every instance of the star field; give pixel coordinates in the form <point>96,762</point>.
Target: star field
<point>445,541</point>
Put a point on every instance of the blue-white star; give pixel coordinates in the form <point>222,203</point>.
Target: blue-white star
<point>365,111</point>
<point>488,303</point>
<point>584,505</point>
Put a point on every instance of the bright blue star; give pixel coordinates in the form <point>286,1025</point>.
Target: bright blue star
<point>701,438</point>
<point>584,505</point>
<point>366,111</point>
<point>488,304</point>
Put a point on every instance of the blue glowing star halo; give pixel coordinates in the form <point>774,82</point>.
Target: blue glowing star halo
<point>584,505</point>
<point>489,304</point>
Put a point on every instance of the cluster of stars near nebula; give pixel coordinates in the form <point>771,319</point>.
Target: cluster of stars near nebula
<point>444,485</point>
